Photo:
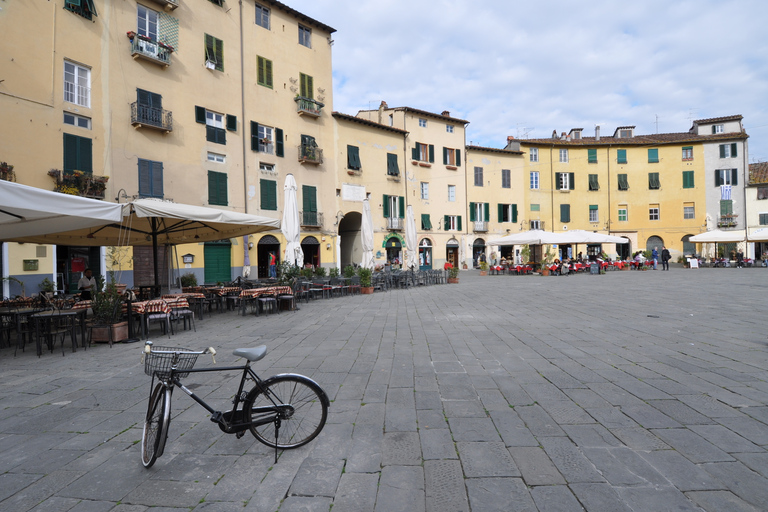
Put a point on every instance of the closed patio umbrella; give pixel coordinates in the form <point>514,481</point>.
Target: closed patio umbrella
<point>366,235</point>
<point>411,261</point>
<point>246,258</point>
<point>291,226</point>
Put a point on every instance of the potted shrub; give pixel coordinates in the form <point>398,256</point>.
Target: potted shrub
<point>334,272</point>
<point>320,271</point>
<point>188,280</point>
<point>366,285</point>
<point>546,261</point>
<point>349,271</point>
<point>453,273</point>
<point>483,268</point>
<point>107,311</point>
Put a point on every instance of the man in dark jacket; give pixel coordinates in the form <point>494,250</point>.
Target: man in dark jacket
<point>665,257</point>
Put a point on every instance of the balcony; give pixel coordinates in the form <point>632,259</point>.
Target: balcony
<point>308,106</point>
<point>150,117</point>
<point>481,226</point>
<point>153,51</point>
<point>79,183</point>
<point>169,5</point>
<point>727,221</point>
<point>310,155</point>
<point>311,219</point>
<point>395,223</point>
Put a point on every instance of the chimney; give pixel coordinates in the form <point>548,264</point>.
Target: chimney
<point>446,113</point>
<point>563,136</point>
<point>382,106</point>
<point>510,137</point>
<point>554,134</point>
<point>597,132</point>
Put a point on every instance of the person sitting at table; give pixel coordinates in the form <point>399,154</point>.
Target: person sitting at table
<point>87,285</point>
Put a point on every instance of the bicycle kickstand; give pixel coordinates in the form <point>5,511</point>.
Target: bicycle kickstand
<point>277,430</point>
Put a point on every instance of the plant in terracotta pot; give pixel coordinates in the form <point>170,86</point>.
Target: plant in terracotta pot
<point>365,280</point>
<point>107,311</point>
<point>483,268</point>
<point>453,273</point>
<point>546,260</point>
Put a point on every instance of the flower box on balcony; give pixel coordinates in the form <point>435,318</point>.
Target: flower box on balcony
<point>142,47</point>
<point>79,183</point>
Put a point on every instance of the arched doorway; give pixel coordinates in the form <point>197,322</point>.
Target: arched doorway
<point>351,244</point>
<point>654,241</point>
<point>478,248</point>
<point>311,248</point>
<point>425,254</point>
<point>624,251</point>
<point>452,252</point>
<point>689,248</point>
<point>394,250</point>
<point>267,244</point>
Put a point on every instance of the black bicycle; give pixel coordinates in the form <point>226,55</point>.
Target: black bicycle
<point>284,411</point>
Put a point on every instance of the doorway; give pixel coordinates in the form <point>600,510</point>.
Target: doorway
<point>71,262</point>
<point>267,244</point>
<point>218,262</point>
<point>351,243</point>
<point>478,248</point>
<point>311,248</point>
<point>425,254</point>
<point>452,252</point>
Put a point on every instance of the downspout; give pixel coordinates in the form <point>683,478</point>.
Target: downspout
<point>242,105</point>
<point>608,159</point>
<point>745,182</point>
<point>553,185</point>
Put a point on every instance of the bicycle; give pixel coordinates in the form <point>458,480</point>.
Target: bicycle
<point>294,405</point>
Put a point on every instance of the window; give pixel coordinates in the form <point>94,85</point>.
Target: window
<point>264,73</point>
<point>653,156</point>
<point>565,213</point>
<point>78,154</point>
<point>593,216</point>
<point>622,213</point>
<point>268,190</point>
<point>425,222</point>
<point>220,3</point>
<point>534,156</point>
<point>564,180</point>
<point>653,181</point>
<point>480,212</point>
<point>353,158</point>
<point>217,188</point>
<point>214,53</point>
<point>625,134</point>
<point>535,207</point>
<point>393,206</point>
<point>763,219</point>
<point>262,16</point>
<point>593,183</point>
<point>84,8</point>
<point>149,109</point>
<point>592,156</point>
<point>392,167</point>
<point>689,211</point>
<point>424,152</point>
<point>506,178</point>
<point>147,22</point>
<point>391,120</point>
<point>150,178</point>
<point>305,36</point>
<point>623,182</point>
<point>688,153</point>
<point>718,128</point>
<point>688,179</point>
<point>424,190</point>
<point>621,156</point>
<point>478,176</point>
<point>77,120</point>
<point>762,193</point>
<point>449,128</point>
<point>422,122</point>
<point>726,207</point>
<point>452,157</point>
<point>507,213</point>
<point>214,124</point>
<point>77,84</point>
<point>653,212</point>
<point>265,139</point>
<point>564,155</point>
<point>534,180</point>
<point>451,193</point>
<point>726,177</point>
<point>452,223</point>
<point>216,157</point>
<point>267,168</point>
<point>306,86</point>
<point>728,150</point>
<point>536,224</point>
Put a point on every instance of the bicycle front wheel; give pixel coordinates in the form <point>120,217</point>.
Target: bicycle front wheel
<point>155,425</point>
<point>294,406</point>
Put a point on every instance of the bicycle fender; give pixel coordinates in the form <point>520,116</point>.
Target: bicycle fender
<point>306,379</point>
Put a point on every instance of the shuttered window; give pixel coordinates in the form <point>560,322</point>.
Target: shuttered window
<point>392,167</point>
<point>565,213</point>
<point>688,179</point>
<point>268,189</point>
<point>78,153</point>
<point>506,181</point>
<point>726,177</point>
<point>264,73</point>
<point>653,181</point>
<point>217,188</point>
<point>309,201</point>
<point>623,182</point>
<point>214,52</point>
<point>728,150</point>
<point>621,156</point>
<point>593,183</point>
<point>425,222</point>
<point>150,178</point>
<point>653,156</point>
<point>306,86</point>
<point>592,156</point>
<point>353,158</point>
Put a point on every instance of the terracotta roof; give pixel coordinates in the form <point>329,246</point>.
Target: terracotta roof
<point>495,150</point>
<point>718,119</point>
<point>424,113</point>
<point>758,173</point>
<point>302,17</point>
<point>639,140</point>
<point>372,124</point>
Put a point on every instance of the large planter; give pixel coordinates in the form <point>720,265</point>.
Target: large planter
<point>453,280</point>
<point>366,290</point>
<point>100,333</point>
<point>544,271</point>
<point>483,272</point>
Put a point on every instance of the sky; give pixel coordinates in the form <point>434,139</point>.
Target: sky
<point>525,69</point>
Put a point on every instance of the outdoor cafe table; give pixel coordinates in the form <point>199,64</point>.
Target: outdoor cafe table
<point>144,308</point>
<point>44,322</point>
<point>17,315</point>
<point>253,293</point>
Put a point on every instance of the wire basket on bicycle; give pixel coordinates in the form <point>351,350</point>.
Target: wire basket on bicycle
<point>161,364</point>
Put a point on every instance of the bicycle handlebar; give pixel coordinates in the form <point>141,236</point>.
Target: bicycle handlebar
<point>148,350</point>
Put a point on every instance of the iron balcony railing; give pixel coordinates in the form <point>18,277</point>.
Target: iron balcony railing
<point>395,223</point>
<point>170,4</point>
<point>727,221</point>
<point>308,106</point>
<point>145,115</point>
<point>150,50</point>
<point>310,154</point>
<point>311,219</point>
<point>481,225</point>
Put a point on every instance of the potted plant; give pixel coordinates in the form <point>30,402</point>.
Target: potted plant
<point>320,271</point>
<point>366,285</point>
<point>107,311</point>
<point>453,273</point>
<point>349,271</point>
<point>6,172</point>
<point>546,261</point>
<point>188,280</point>
<point>483,268</point>
<point>334,272</point>
<point>47,287</point>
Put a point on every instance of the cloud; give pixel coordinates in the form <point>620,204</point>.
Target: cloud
<point>512,68</point>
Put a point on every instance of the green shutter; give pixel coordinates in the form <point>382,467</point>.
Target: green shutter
<point>353,157</point>
<point>445,156</point>
<point>401,205</point>
<point>458,222</point>
<point>431,153</point>
<point>425,222</point>
<point>85,154</point>
<point>415,153</point>
<point>254,136</point>
<point>621,156</point>
<point>458,158</point>
<point>557,181</point>
<point>231,123</point>
<point>200,115</point>
<point>500,210</point>
<point>472,212</point>
<point>722,150</point>
<point>593,207</point>
<point>268,194</point>
<point>653,156</point>
<point>653,181</point>
<point>487,212</point>
<point>623,182</point>
<point>734,176</point>
<point>514,213</point>
<point>446,222</point>
<point>217,188</point>
<point>718,179</point>
<point>571,181</point>
<point>279,151</point>
<point>565,213</point>
<point>592,156</point>
<point>714,129</point>
<point>733,150</point>
<point>306,87</point>
<point>726,207</point>
<point>688,179</point>
<point>392,168</point>
<point>385,206</point>
<point>219,50</point>
<point>593,182</point>
<point>309,198</point>
<point>70,152</point>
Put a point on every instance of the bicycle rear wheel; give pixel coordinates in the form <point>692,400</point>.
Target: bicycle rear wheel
<point>302,415</point>
<point>155,425</point>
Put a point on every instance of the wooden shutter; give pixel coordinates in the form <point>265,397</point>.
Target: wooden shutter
<point>571,181</point>
<point>734,176</point>
<point>415,153</point>
<point>200,115</point>
<point>279,149</point>
<point>653,156</point>
<point>557,181</point>
<point>210,52</point>
<point>621,156</point>
<point>431,153</point>
<point>145,177</point>
<point>401,207</point>
<point>392,168</point>
<point>353,157</point>
<point>592,156</point>
<point>309,198</point>
<point>254,136</point>
<point>458,222</point>
<point>500,210</point>
<point>733,150</point>
<point>268,189</point>
<point>445,156</point>
<point>218,49</point>
<point>231,123</point>
<point>85,154</point>
<point>425,222</point>
<point>157,179</point>
<point>722,150</point>
<point>385,205</point>
<point>718,178</point>
<point>472,217</point>
<point>458,158</point>
<point>565,213</point>
<point>514,213</point>
<point>446,222</point>
<point>70,152</point>
<point>487,212</point>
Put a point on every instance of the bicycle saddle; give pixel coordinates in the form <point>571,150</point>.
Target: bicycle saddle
<point>251,354</point>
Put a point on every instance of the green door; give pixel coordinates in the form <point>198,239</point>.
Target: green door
<point>218,263</point>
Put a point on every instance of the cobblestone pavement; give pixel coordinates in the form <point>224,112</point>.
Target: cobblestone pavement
<point>631,391</point>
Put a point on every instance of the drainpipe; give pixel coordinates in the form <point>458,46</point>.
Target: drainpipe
<point>608,159</point>
<point>744,182</point>
<point>242,105</point>
<point>552,188</point>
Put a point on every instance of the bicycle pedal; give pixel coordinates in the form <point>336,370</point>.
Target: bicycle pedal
<point>216,417</point>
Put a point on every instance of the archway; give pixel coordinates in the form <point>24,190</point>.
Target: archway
<point>689,248</point>
<point>351,243</point>
<point>425,254</point>
<point>478,248</point>
<point>654,241</point>
<point>311,248</point>
<point>624,251</point>
<point>267,244</point>
<point>452,252</point>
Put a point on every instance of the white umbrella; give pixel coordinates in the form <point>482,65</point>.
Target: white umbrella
<point>246,258</point>
<point>717,235</point>
<point>411,262</point>
<point>532,237</point>
<point>291,226</point>
<point>579,236</point>
<point>759,235</point>
<point>366,232</point>
<point>338,253</point>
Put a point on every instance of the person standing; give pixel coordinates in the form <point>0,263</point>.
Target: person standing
<point>87,285</point>
<point>272,265</point>
<point>665,257</point>
<point>655,257</point>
